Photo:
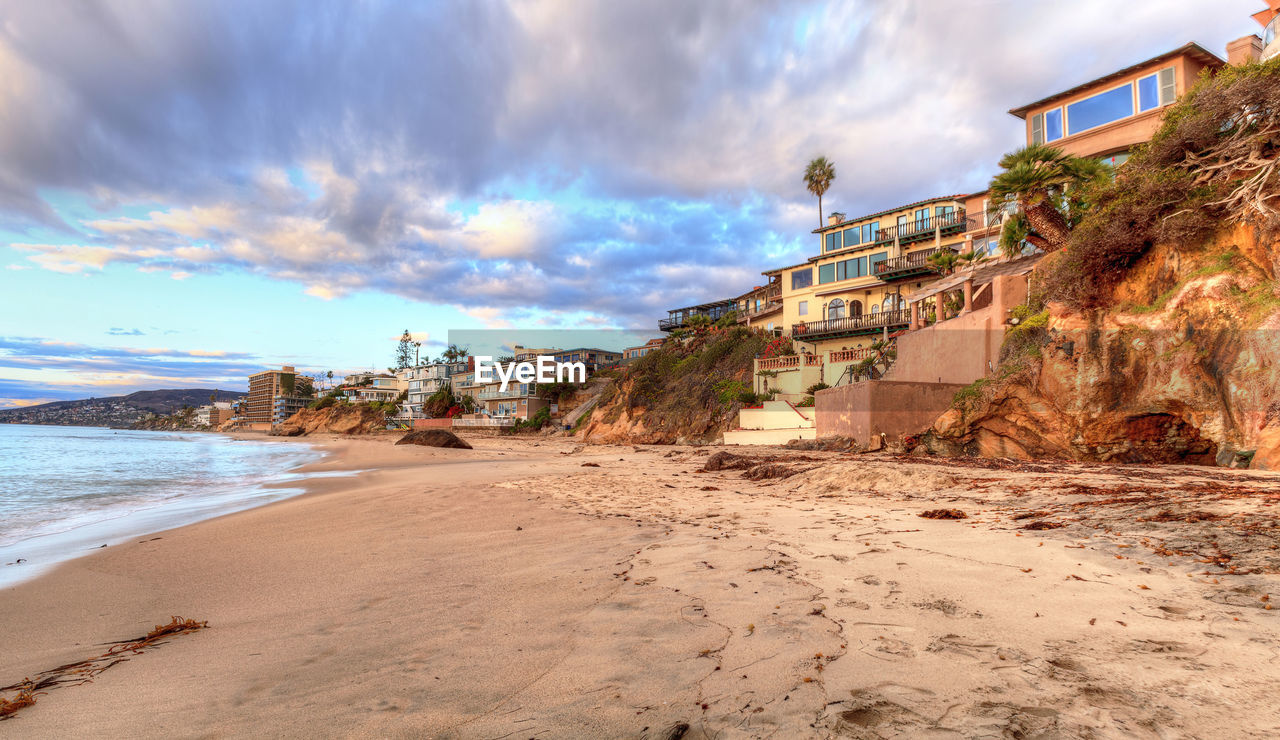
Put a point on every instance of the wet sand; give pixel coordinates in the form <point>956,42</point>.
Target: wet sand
<point>509,591</point>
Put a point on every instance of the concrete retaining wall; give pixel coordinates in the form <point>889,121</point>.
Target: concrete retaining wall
<point>868,409</point>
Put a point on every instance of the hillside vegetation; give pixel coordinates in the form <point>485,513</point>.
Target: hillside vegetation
<point>688,391</point>
<point>1153,335</point>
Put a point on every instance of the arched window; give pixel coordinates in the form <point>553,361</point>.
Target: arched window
<point>875,308</point>
<point>855,308</point>
<point>893,302</point>
<point>835,309</point>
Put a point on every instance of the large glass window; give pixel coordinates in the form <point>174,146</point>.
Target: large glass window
<point>826,273</point>
<point>1053,124</point>
<point>876,259</point>
<point>1148,93</point>
<point>835,309</point>
<point>851,236</point>
<point>833,241</point>
<point>1100,109</point>
<point>869,231</point>
<point>801,278</point>
<point>922,217</point>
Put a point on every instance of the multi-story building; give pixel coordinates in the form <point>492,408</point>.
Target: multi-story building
<point>213,415</point>
<point>274,395</point>
<point>419,383</point>
<point>634,353</point>
<point>1107,117</point>
<point>762,305</point>
<point>850,293</point>
<point>593,358</point>
<point>678,318</point>
<point>1268,47</point>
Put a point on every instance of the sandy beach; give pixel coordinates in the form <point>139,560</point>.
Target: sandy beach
<point>537,588</point>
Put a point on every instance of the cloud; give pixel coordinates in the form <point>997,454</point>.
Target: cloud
<point>37,367</point>
<point>598,160</point>
<point>116,331</point>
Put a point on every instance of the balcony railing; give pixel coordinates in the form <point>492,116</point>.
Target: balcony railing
<point>765,308</point>
<point>923,228</point>
<point>787,362</point>
<point>511,392</point>
<point>850,325</point>
<point>909,264</point>
<point>490,421</point>
<point>850,355</point>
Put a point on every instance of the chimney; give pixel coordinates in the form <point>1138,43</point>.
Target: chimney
<point>1244,50</point>
<point>835,218</point>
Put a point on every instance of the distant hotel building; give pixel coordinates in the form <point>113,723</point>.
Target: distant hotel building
<point>273,397</point>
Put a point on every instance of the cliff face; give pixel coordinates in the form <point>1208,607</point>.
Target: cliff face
<point>1182,368</point>
<point>337,419</point>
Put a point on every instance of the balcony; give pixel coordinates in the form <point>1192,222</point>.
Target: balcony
<point>910,265</point>
<point>867,323</point>
<point>681,317</point>
<point>923,229</point>
<point>512,391</point>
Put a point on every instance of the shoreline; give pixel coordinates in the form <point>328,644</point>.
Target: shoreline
<point>35,555</point>
<point>538,587</point>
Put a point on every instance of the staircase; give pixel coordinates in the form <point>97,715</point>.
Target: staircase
<point>774,423</point>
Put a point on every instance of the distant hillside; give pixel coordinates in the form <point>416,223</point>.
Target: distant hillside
<point>113,411</point>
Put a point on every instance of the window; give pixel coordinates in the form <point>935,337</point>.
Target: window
<point>801,278</point>
<point>1148,93</point>
<point>869,231</point>
<point>893,302</point>
<point>922,217</point>
<point>1053,124</point>
<point>1115,160</point>
<point>803,309</point>
<point>875,308</point>
<point>851,268</point>
<point>855,308</point>
<point>826,273</point>
<point>1100,109</point>
<point>851,236</point>
<point>942,211</point>
<point>874,260</point>
<point>833,241</point>
<point>1168,85</point>
<point>1037,129</point>
<point>835,309</point>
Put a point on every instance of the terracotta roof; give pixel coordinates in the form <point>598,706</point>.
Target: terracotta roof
<point>1192,49</point>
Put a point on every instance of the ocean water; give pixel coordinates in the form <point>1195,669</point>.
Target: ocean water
<point>65,491</point>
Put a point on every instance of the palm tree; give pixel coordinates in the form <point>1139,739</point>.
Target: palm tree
<point>817,179</point>
<point>1037,177</point>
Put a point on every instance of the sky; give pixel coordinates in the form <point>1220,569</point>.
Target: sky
<point>191,192</point>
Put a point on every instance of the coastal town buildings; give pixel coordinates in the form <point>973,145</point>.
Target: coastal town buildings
<point>1268,46</point>
<point>761,306</point>
<point>213,415</point>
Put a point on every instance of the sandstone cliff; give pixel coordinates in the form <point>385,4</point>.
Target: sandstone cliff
<point>336,419</point>
<point>1182,367</point>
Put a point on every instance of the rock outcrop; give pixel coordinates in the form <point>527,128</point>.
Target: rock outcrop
<point>1182,368</point>
<point>434,438</point>
<point>336,419</point>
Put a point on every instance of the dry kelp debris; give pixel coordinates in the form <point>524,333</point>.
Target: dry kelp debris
<point>85,671</point>
<point>1043,525</point>
<point>944,514</point>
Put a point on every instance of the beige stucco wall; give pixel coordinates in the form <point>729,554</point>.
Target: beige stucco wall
<point>962,349</point>
<point>1125,133</point>
<point>866,410</point>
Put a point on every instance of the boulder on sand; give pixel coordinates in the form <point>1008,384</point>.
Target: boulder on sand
<point>434,438</point>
